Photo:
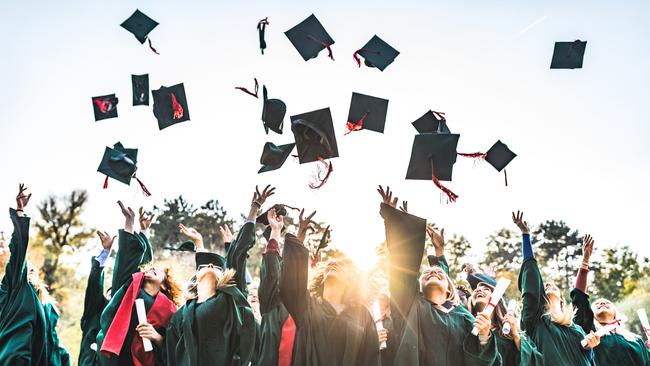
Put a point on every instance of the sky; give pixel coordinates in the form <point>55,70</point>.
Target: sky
<point>580,135</point>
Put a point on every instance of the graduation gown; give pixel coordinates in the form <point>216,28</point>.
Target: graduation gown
<point>422,333</point>
<point>22,317</point>
<point>59,356</point>
<point>559,344</point>
<point>94,303</point>
<point>509,355</point>
<point>323,337</point>
<point>222,329</point>
<point>613,349</point>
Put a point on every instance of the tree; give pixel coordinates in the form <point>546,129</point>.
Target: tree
<point>456,250</point>
<point>559,250</point>
<point>618,274</point>
<point>503,251</point>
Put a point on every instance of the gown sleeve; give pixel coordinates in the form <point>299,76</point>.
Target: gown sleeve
<point>293,278</point>
<point>532,294</point>
<point>440,262</point>
<point>94,300</point>
<point>583,316</point>
<point>130,252</point>
<point>269,288</point>
<point>16,269</point>
<point>238,254</point>
<point>147,256</point>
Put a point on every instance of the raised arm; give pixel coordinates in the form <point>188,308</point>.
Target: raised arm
<point>584,316</point>
<point>269,289</point>
<point>145,219</point>
<point>438,241</point>
<point>530,279</point>
<point>130,251</point>
<point>16,269</point>
<point>94,300</point>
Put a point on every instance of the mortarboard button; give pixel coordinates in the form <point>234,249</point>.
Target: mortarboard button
<point>568,55</point>
<point>273,157</point>
<point>309,37</point>
<point>431,122</point>
<point>432,158</point>
<point>140,26</point>
<point>366,112</point>
<point>170,105</point>
<point>105,107</point>
<point>273,111</point>
<point>376,53</point>
<point>140,86</point>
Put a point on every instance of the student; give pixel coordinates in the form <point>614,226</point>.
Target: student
<point>429,328</point>
<point>119,339</point>
<point>23,327</point>
<point>332,324</point>
<point>545,315</point>
<point>618,347</point>
<point>94,303</point>
<point>216,326</point>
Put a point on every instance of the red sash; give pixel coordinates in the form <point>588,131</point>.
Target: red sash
<point>287,337</point>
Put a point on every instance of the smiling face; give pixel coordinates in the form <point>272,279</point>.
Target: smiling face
<point>434,277</point>
<point>209,270</point>
<point>154,275</point>
<point>604,310</point>
<point>552,291</point>
<point>481,296</point>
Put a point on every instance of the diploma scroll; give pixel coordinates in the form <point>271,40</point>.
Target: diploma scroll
<point>601,332</point>
<point>497,294</point>
<point>512,305</point>
<point>376,314</point>
<point>142,319</point>
<point>644,322</point>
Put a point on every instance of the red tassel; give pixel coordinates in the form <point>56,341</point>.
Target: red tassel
<point>450,195</point>
<point>257,86</point>
<point>351,126</point>
<point>505,175</point>
<point>176,107</point>
<point>151,47</point>
<point>324,44</point>
<point>145,191</point>
<point>104,105</point>
<point>356,57</point>
<point>476,155</point>
<point>106,182</point>
<point>320,179</point>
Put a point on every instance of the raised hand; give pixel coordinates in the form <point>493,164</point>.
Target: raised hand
<point>21,199</point>
<point>129,217</point>
<point>304,225</point>
<point>518,219</point>
<point>260,198</point>
<point>226,234</point>
<point>483,324</point>
<point>276,222</point>
<point>593,340</point>
<point>587,248</point>
<point>468,268</point>
<point>510,319</point>
<point>387,196</point>
<point>191,233</point>
<point>106,239</point>
<point>404,207</point>
<point>437,239</point>
<point>146,218</point>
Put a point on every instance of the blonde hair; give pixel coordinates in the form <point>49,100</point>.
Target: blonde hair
<point>563,316</point>
<point>354,295</point>
<point>225,280</point>
<point>629,336</point>
<point>452,295</point>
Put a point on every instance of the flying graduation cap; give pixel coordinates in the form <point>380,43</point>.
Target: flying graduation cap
<point>367,113</point>
<point>568,55</point>
<point>120,164</point>
<point>499,156</point>
<point>140,86</point>
<point>140,26</point>
<point>431,122</point>
<point>170,105</point>
<point>376,53</point>
<point>315,141</point>
<point>273,157</point>
<point>273,111</point>
<point>263,219</point>
<point>309,37</point>
<point>105,107</point>
<point>432,158</point>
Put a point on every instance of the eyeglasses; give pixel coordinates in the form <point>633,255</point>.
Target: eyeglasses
<point>203,266</point>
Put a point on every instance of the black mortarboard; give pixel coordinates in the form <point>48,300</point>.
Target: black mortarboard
<point>432,158</point>
<point>140,86</point>
<point>210,258</point>
<point>475,279</point>
<point>105,107</point>
<point>261,27</point>
<point>140,25</point>
<point>280,210</point>
<point>273,111</point>
<point>431,122</point>
<point>314,135</point>
<point>170,105</point>
<point>568,55</point>
<point>119,163</point>
<point>367,113</point>
<point>376,53</point>
<point>186,246</point>
<point>274,156</point>
<point>499,155</point>
<point>309,37</point>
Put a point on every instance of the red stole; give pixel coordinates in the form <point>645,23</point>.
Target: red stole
<point>159,315</point>
<point>287,337</point>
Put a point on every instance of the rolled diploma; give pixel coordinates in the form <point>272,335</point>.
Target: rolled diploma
<point>497,294</point>
<point>644,322</point>
<point>142,319</point>
<point>512,305</point>
<point>600,332</point>
<point>376,314</point>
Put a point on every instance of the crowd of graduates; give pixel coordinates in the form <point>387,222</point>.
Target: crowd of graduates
<point>307,310</point>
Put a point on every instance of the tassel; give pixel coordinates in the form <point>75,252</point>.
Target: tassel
<point>351,126</point>
<point>257,86</point>
<point>505,176</point>
<point>320,180</point>
<point>106,182</point>
<point>451,196</point>
<point>145,191</point>
<point>151,47</point>
<point>326,45</point>
<point>476,155</point>
<point>104,105</point>
<point>176,107</point>
<point>356,55</point>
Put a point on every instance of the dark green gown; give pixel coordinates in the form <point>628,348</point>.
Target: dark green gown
<point>59,356</point>
<point>220,330</point>
<point>422,334</point>
<point>94,303</point>
<point>559,344</point>
<point>613,349</point>
<point>323,337</point>
<point>22,317</point>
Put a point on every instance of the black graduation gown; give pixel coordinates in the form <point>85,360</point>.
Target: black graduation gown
<point>22,317</point>
<point>323,337</point>
<point>423,334</point>
<point>94,303</point>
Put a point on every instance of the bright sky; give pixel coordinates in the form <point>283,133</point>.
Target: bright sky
<point>581,135</point>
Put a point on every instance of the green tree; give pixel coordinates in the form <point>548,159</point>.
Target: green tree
<point>503,251</point>
<point>558,249</point>
<point>456,250</point>
<point>618,274</point>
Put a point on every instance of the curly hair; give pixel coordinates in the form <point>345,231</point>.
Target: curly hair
<point>225,280</point>
<point>172,289</point>
<point>354,295</point>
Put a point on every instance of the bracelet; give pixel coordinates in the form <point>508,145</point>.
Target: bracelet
<point>259,205</point>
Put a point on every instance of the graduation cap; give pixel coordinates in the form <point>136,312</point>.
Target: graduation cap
<point>140,86</point>
<point>105,107</point>
<point>475,279</point>
<point>499,156</point>
<point>120,164</point>
<point>309,37</point>
<point>273,111</point>
<point>431,122</point>
<point>274,156</point>
<point>432,158</point>
<point>376,53</point>
<point>315,141</point>
<point>366,112</point>
<point>280,210</point>
<point>568,55</point>
<point>186,246</point>
<point>203,258</point>
<point>261,27</point>
<point>170,105</point>
<point>140,26</point>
